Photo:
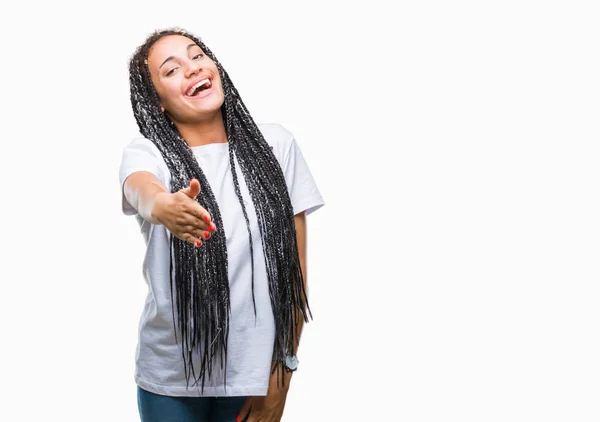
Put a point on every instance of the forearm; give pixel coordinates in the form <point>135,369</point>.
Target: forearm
<point>300,324</point>
<point>287,375</point>
<point>300,222</point>
<point>142,191</point>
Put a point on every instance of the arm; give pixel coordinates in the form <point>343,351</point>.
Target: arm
<point>300,220</point>
<point>270,407</point>
<point>141,190</point>
<point>179,212</point>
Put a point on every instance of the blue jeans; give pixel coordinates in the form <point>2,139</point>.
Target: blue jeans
<point>157,408</point>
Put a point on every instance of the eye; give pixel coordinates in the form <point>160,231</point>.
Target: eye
<point>196,57</point>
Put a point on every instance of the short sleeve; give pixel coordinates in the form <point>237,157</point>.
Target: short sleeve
<point>303,190</point>
<point>139,155</point>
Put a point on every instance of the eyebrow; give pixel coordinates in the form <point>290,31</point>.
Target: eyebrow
<point>172,57</point>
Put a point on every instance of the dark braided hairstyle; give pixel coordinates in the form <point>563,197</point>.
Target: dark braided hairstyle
<point>199,277</point>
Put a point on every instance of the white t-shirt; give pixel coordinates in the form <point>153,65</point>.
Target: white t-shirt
<point>159,363</point>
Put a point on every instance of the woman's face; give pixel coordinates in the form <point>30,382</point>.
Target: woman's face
<point>178,67</point>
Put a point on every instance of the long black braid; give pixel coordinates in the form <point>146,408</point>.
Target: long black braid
<point>199,277</point>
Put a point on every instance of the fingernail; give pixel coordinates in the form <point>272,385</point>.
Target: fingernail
<point>206,218</point>
<point>206,235</point>
<point>212,227</point>
<point>238,419</point>
<point>198,243</point>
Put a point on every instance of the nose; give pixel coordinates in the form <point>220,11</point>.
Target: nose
<point>192,68</point>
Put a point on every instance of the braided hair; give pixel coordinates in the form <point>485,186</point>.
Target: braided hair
<point>199,277</point>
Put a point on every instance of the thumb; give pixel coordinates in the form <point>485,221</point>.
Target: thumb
<point>193,189</point>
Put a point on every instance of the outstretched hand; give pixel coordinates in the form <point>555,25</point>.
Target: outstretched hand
<point>182,215</point>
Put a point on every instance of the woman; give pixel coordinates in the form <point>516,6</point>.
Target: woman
<point>221,202</point>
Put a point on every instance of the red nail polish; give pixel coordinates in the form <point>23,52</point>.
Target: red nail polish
<point>198,243</point>
<point>238,419</point>
<point>206,218</point>
<point>212,227</point>
<point>206,234</point>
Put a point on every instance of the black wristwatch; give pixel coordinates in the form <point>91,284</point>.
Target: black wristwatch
<point>291,363</point>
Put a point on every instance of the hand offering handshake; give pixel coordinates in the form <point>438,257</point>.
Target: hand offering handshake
<point>183,216</point>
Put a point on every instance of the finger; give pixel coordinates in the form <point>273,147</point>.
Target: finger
<point>190,213</point>
<point>188,237</point>
<point>245,411</point>
<point>194,219</point>
<point>201,233</point>
<point>193,189</point>
<point>203,224</point>
<point>202,214</point>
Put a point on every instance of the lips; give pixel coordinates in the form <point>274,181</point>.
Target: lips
<point>204,93</point>
<point>196,82</point>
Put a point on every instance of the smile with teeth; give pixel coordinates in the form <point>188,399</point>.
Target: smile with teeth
<point>200,86</point>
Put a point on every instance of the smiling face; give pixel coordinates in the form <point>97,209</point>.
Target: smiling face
<point>186,79</point>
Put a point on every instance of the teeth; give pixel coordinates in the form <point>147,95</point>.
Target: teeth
<point>193,89</point>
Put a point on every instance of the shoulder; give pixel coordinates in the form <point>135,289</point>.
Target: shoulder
<point>142,144</point>
<point>140,148</point>
<point>278,137</point>
<point>141,154</point>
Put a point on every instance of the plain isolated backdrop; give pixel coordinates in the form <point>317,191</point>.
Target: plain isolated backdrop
<point>454,269</point>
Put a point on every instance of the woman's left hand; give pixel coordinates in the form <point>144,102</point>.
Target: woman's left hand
<point>267,408</point>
